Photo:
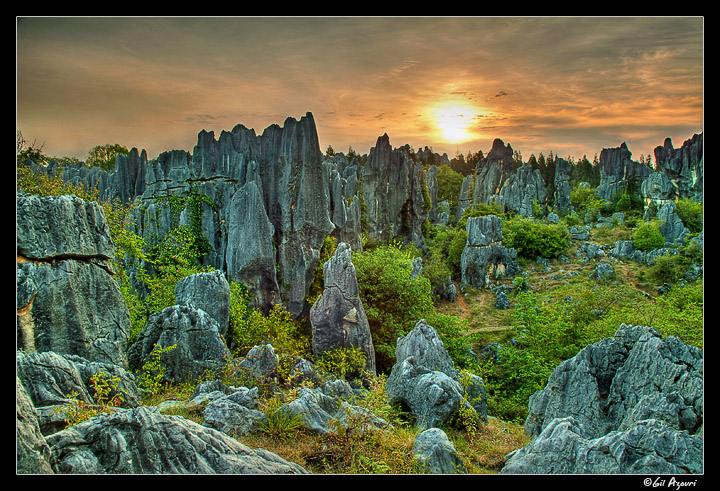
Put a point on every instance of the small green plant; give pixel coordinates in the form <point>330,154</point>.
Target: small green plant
<point>153,371</point>
<point>106,398</point>
<point>344,363</point>
<point>647,236</point>
<point>281,424</point>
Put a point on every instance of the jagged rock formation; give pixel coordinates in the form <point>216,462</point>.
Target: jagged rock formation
<point>484,256</point>
<point>619,173</point>
<point>209,292</point>
<point>436,454</point>
<point>395,191</point>
<point>631,403</point>
<point>683,168</point>
<point>67,299</point>
<point>338,317</point>
<point>563,168</point>
<point>521,189</point>
<point>199,347</point>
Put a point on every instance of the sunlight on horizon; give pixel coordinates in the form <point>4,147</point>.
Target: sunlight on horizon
<point>453,121</point>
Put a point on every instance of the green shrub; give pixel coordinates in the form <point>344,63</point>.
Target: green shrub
<point>393,300</point>
<point>344,363</point>
<point>532,239</point>
<point>647,236</point>
<point>691,214</point>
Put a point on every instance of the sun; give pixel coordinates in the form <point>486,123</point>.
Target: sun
<point>454,121</point>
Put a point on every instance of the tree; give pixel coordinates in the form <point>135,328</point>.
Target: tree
<point>103,156</point>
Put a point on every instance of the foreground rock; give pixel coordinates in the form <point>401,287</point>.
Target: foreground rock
<point>66,297</point>
<point>436,454</point>
<point>338,318</point>
<point>425,380</point>
<point>631,403</point>
<point>143,441</point>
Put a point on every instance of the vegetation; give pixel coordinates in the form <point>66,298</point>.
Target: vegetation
<point>553,316</point>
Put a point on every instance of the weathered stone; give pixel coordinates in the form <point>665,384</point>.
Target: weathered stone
<point>522,189</point>
<point>236,413</point>
<point>31,449</point>
<point>324,414</point>
<point>260,361</point>
<point>209,292</point>
<point>143,441</point>
<point>671,226</point>
<point>684,167</point>
<point>436,454</point>
<point>338,318</point>
<point>67,298</point>
<point>484,256</point>
<point>199,346</point>
<point>619,173</point>
<point>563,169</point>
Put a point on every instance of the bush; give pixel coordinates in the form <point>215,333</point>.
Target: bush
<point>647,236</point>
<point>532,239</point>
<point>393,300</point>
<point>691,213</point>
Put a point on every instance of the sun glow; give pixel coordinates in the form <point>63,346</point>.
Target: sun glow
<point>454,121</point>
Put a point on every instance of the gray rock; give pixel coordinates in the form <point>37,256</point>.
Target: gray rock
<point>209,292</point>
<point>580,233</point>
<point>143,441</point>
<point>67,298</point>
<point>200,348</point>
<point>338,318</point>
<point>425,380</point>
<point>671,226</point>
<point>260,361</point>
<point>436,454</point>
<point>49,378</point>
<point>635,391</point>
<point>684,166</point>
<point>236,413</point>
<point>618,170</point>
<point>484,256</point>
<point>325,414</point>
<point>502,301</point>
<point>31,449</point>
<point>603,272</point>
<point>563,169</point>
<point>647,447</point>
<point>394,191</point>
<point>523,188</point>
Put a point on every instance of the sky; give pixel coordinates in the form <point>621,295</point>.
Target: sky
<point>570,85</point>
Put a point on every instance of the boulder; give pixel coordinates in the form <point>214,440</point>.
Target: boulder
<point>259,362</point>
<point>338,318</point>
<point>436,454</point>
<point>235,413</point>
<point>50,378</point>
<point>324,414</point>
<point>647,447</point>
<point>67,299</point>
<point>671,226</point>
<point>425,380</point>
<point>143,441</point>
<point>209,292</point>
<point>199,346</point>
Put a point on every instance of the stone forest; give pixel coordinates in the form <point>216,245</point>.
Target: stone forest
<point>261,306</point>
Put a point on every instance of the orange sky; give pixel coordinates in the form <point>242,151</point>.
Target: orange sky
<point>568,85</point>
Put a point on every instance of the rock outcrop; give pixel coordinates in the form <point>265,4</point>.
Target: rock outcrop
<point>631,403</point>
<point>619,173</point>
<point>684,167</point>
<point>395,193</point>
<point>67,299</point>
<point>338,318</point>
<point>425,380</point>
<point>484,257</point>
<point>143,441</point>
<point>199,347</point>
<point>522,189</point>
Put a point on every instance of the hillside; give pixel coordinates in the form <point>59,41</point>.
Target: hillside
<point>255,281</point>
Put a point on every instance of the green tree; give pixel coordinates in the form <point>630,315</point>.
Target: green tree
<point>103,156</point>
<point>647,236</point>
